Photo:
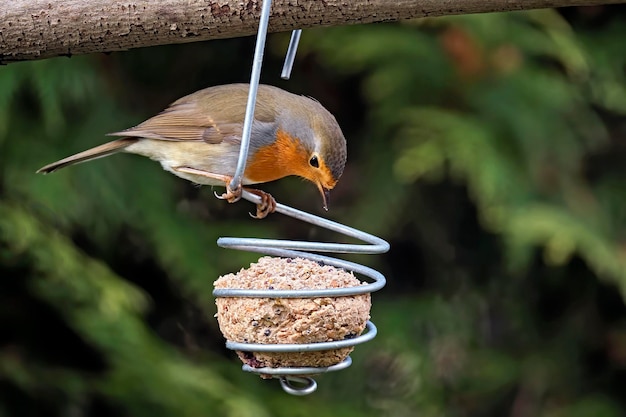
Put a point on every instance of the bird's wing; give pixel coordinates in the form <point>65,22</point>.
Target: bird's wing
<point>211,116</point>
<point>183,122</point>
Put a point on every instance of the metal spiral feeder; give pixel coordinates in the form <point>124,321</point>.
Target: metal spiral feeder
<point>292,249</point>
<point>293,379</point>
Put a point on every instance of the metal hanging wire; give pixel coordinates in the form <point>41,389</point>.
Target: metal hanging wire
<point>294,380</point>
<point>291,54</point>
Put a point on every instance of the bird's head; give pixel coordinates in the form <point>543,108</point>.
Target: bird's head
<point>305,141</point>
<point>320,147</point>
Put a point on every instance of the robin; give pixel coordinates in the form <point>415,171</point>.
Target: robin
<point>198,137</point>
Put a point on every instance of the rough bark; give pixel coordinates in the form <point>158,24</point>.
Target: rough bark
<point>35,29</point>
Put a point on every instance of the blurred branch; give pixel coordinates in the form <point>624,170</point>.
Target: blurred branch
<point>36,29</point>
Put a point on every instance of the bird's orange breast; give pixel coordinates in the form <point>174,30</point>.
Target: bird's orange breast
<point>286,156</point>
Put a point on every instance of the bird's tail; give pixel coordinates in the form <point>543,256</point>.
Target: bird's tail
<point>93,153</point>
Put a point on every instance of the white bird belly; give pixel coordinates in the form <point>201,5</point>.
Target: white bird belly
<point>220,159</point>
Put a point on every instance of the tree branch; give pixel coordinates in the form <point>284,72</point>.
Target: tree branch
<point>36,29</point>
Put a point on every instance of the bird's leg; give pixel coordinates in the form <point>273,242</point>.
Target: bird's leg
<point>265,207</point>
<point>230,195</point>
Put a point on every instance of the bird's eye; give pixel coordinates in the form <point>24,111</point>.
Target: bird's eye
<point>314,162</point>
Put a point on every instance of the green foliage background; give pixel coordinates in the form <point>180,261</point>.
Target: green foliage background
<point>488,149</point>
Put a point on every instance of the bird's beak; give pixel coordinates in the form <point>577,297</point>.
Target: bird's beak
<point>325,192</point>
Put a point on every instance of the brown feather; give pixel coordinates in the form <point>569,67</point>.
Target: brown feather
<point>93,153</point>
<point>196,117</point>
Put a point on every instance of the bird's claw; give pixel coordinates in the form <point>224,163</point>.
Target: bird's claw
<point>265,207</point>
<point>232,196</point>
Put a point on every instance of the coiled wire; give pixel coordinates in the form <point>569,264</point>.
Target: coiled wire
<point>293,379</point>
